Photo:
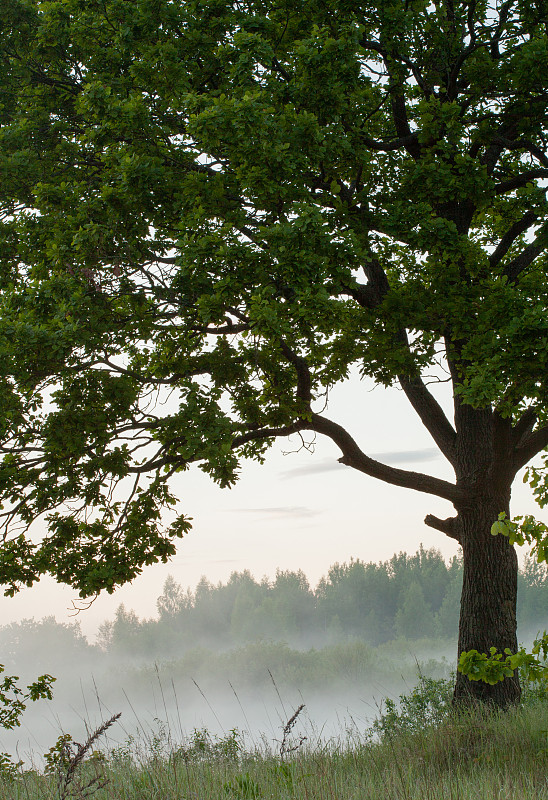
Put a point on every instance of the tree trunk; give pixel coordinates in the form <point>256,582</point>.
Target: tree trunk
<point>488,601</point>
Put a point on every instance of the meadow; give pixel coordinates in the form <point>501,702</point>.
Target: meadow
<point>309,700</point>
<point>418,748</point>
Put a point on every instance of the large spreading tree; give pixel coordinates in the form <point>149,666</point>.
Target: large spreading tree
<point>213,211</point>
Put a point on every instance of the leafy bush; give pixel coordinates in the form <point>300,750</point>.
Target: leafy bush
<point>428,704</point>
<point>202,746</point>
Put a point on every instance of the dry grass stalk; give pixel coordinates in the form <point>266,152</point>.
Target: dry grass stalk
<point>72,756</point>
<point>285,748</point>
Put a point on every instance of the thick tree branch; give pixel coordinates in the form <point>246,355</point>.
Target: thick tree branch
<point>510,236</point>
<point>304,380</point>
<point>495,39</point>
<point>431,415</point>
<point>526,146</point>
<point>370,295</point>
<point>531,444</point>
<point>524,426</point>
<point>275,66</point>
<point>515,267</point>
<point>230,328</point>
<point>404,142</point>
<point>491,155</point>
<point>268,433</point>
<point>504,140</point>
<point>471,48</point>
<point>401,123</point>
<point>366,296</point>
<point>353,456</point>
<point>377,47</point>
<point>447,526</point>
<point>376,275</point>
<point>520,180</point>
<point>407,138</point>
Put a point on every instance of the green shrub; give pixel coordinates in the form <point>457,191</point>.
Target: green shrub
<point>429,703</point>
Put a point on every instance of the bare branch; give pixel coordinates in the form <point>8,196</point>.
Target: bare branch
<point>304,381</point>
<point>447,526</point>
<point>524,426</point>
<point>510,236</point>
<point>531,444</point>
<point>268,433</point>
<point>514,269</point>
<point>520,180</point>
<point>431,415</point>
<point>127,504</point>
<point>354,457</point>
<point>403,142</point>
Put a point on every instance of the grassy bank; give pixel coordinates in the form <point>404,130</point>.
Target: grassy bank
<point>417,750</point>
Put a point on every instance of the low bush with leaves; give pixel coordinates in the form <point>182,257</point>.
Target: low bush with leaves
<point>429,703</point>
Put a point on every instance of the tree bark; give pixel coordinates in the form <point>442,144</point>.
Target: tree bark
<point>488,601</point>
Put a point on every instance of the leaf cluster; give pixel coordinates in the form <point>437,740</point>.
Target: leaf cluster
<point>13,699</point>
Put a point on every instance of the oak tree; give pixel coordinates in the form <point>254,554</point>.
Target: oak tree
<point>214,210</point>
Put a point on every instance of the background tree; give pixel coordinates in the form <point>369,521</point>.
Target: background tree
<point>374,603</point>
<point>415,618</point>
<point>173,600</point>
<point>230,205</point>
<point>533,593</point>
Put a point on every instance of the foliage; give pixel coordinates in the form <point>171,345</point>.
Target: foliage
<point>524,529</point>
<point>13,699</point>
<point>202,746</point>
<point>9,769</point>
<point>58,643</point>
<point>429,703</point>
<point>492,668</point>
<point>414,618</point>
<point>190,195</point>
<point>357,600</point>
<point>333,612</point>
<point>57,756</point>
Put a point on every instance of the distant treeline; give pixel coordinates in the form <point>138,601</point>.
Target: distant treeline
<point>410,597</point>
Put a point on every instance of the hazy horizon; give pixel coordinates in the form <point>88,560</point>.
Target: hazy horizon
<point>301,510</point>
<point>181,675</point>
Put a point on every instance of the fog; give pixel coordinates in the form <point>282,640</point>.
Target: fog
<point>246,654</point>
<point>254,689</point>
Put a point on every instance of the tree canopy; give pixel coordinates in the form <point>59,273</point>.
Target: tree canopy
<point>213,211</point>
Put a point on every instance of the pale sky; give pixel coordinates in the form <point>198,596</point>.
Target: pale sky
<point>297,511</point>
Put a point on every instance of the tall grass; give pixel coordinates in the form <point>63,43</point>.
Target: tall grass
<point>418,749</point>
